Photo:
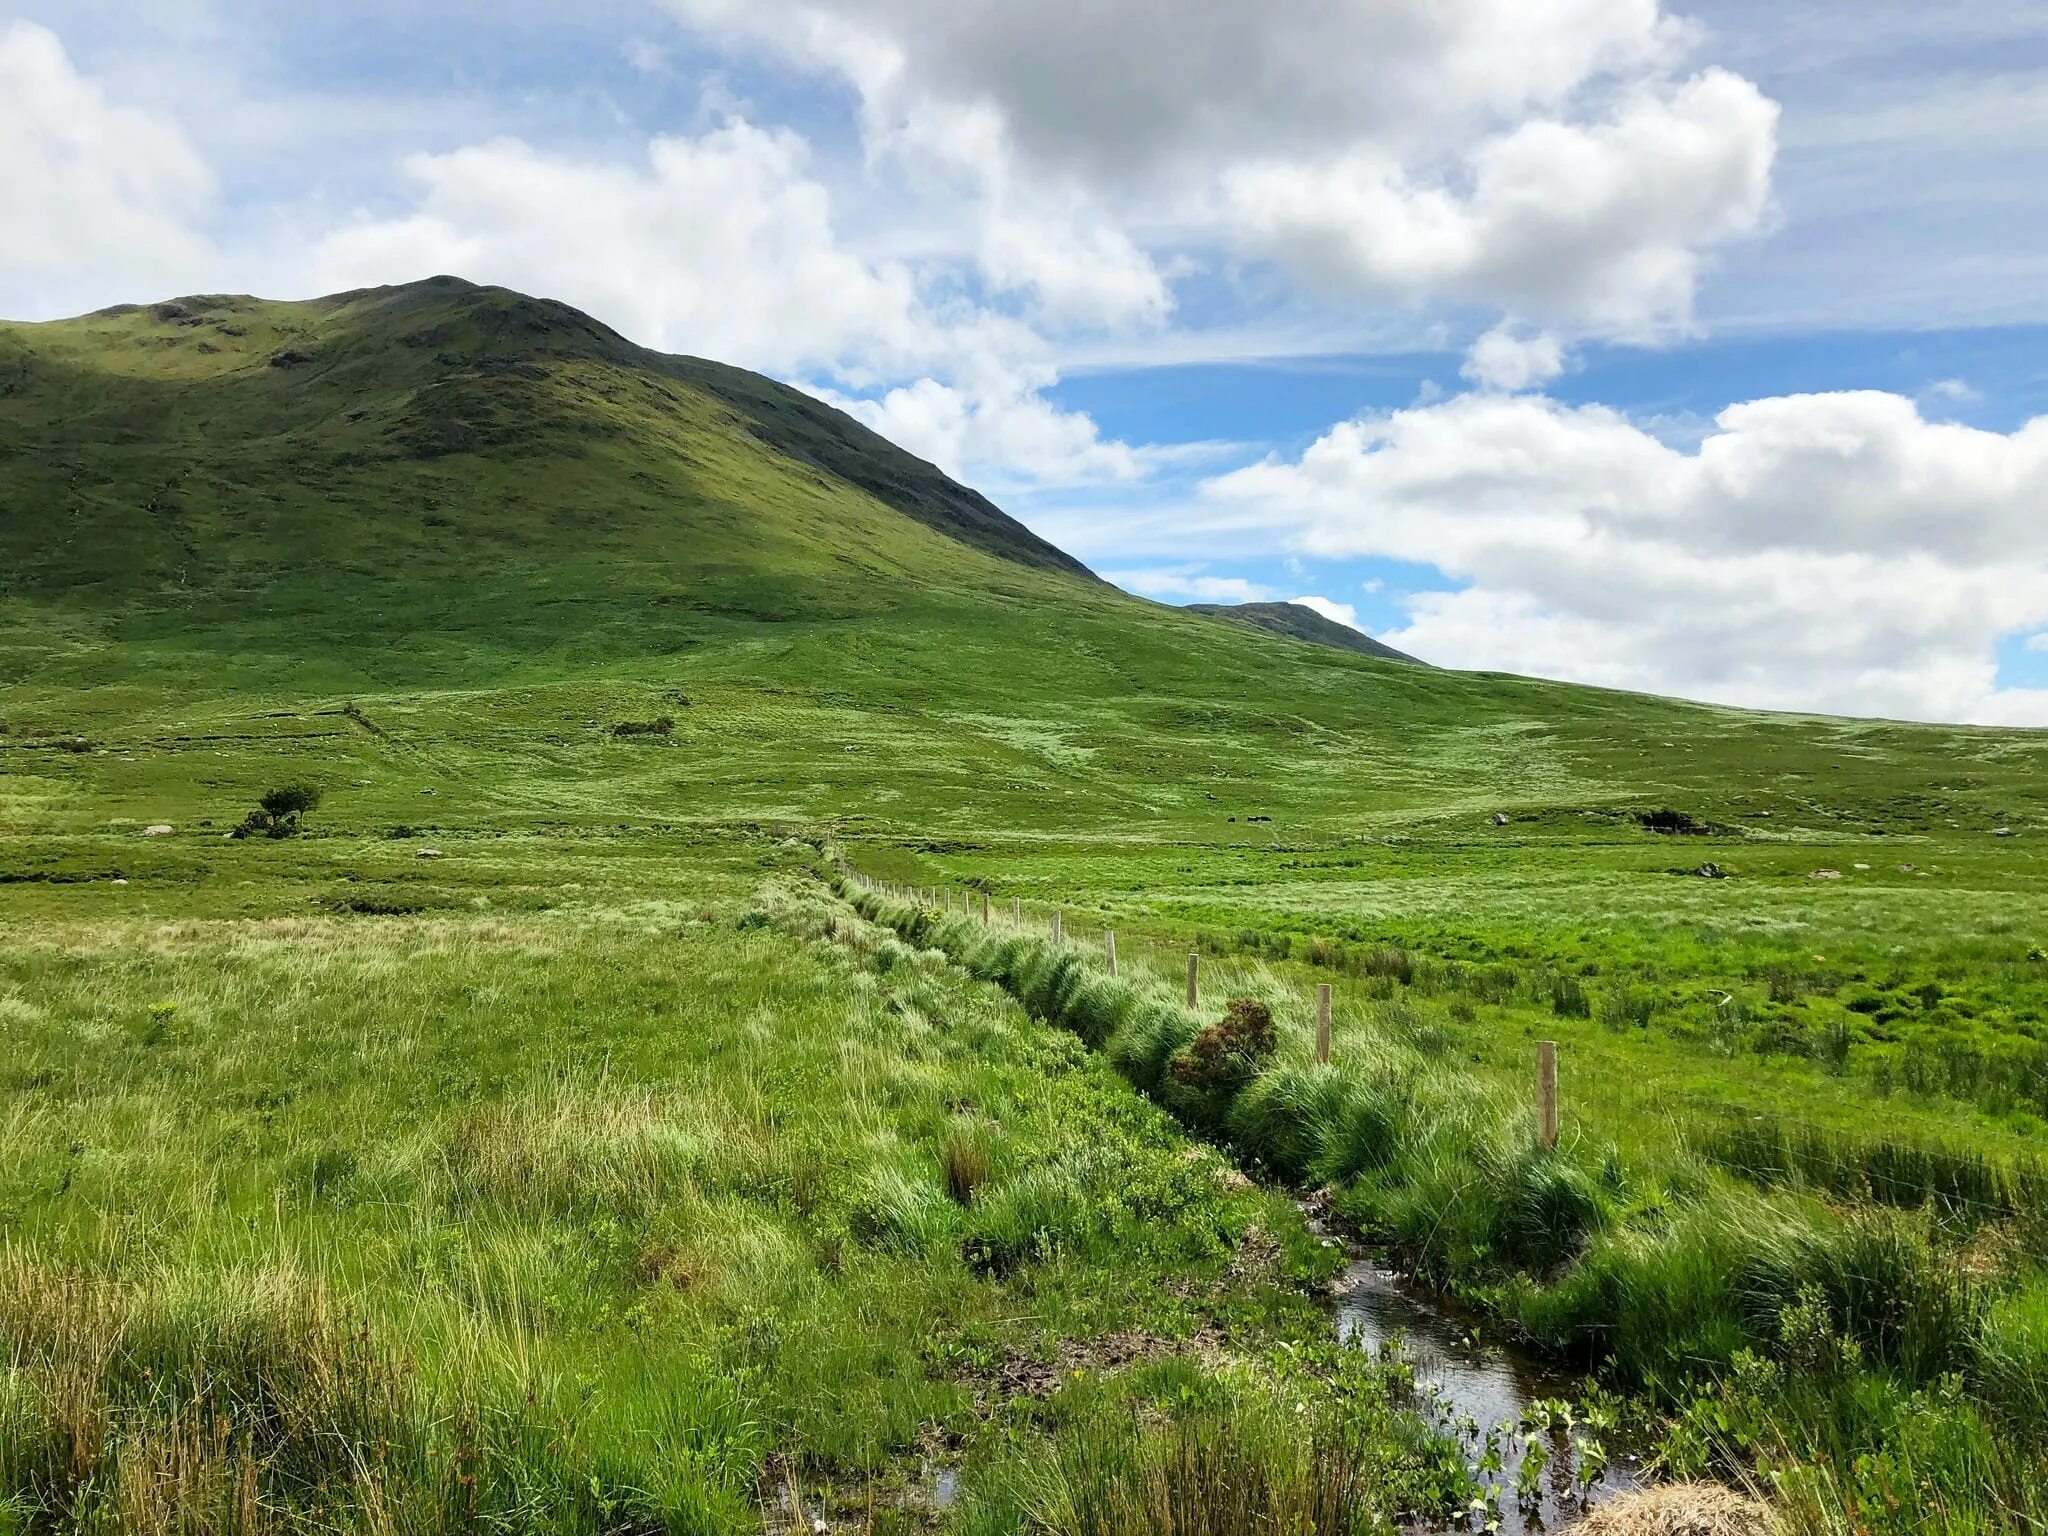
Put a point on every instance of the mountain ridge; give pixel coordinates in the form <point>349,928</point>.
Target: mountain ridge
<point>1297,621</point>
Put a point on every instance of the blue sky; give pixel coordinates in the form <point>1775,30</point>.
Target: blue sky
<point>1685,348</point>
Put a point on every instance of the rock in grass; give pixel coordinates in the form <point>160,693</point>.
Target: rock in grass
<point>159,829</point>
<point>429,853</point>
<point>1681,1509</point>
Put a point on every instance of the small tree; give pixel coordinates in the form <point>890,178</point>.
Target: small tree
<point>279,811</point>
<point>1671,823</point>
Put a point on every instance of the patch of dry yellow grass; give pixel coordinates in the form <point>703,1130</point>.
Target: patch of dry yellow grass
<point>1680,1509</point>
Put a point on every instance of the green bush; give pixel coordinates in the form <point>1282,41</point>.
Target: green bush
<point>280,811</point>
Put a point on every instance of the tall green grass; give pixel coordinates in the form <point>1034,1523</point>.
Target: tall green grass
<point>601,1224</point>
<point>1807,1333</point>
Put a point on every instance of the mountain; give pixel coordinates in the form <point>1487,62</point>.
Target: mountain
<point>449,536</point>
<point>242,452</point>
<point>410,377</point>
<point>1302,623</point>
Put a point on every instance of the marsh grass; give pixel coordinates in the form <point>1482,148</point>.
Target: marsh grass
<point>168,1405</point>
<point>551,1224</point>
<point>1965,1185</point>
<point>1829,1326</point>
<point>1209,1475</point>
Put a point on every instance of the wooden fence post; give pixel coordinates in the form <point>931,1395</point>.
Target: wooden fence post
<point>1109,948</point>
<point>984,909</point>
<point>1194,987</point>
<point>1323,1022</point>
<point>1546,1094</point>
<point>1017,911</point>
<point>1057,936</point>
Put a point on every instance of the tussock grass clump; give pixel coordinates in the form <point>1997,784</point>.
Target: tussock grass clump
<point>662,726</point>
<point>1209,1475</point>
<point>966,1163</point>
<point>1387,960</point>
<point>1544,1209</point>
<point>1035,1214</point>
<point>1285,1120</point>
<point>1568,998</point>
<point>898,1210</point>
<point>1364,1133</point>
<point>2010,1362</point>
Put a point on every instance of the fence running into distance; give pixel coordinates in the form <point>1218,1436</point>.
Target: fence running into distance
<point>1994,1178</point>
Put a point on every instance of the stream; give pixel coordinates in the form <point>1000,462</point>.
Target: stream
<point>1539,1468</point>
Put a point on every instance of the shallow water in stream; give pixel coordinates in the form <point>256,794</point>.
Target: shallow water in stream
<point>1489,1395</point>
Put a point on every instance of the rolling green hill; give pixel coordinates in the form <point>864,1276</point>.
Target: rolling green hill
<point>443,487</point>
<point>499,470</point>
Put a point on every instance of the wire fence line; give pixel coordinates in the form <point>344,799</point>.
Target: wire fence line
<point>1995,1177</point>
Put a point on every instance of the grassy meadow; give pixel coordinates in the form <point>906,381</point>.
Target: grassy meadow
<point>675,1218</point>
<point>558,1131</point>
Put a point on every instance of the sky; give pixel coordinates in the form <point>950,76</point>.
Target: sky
<point>1695,349</point>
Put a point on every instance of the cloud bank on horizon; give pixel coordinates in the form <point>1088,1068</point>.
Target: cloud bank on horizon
<point>948,216</point>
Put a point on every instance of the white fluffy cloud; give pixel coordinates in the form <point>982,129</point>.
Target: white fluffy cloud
<point>1077,274</point>
<point>714,245</point>
<point>93,191</point>
<point>1503,360</point>
<point>1005,430</point>
<point>1550,158</point>
<point>1816,551</point>
<point>1602,223</point>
